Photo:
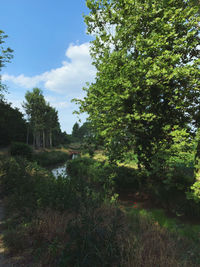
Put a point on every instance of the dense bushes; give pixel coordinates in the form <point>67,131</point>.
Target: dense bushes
<point>97,237</point>
<point>51,158</point>
<point>28,186</point>
<point>21,149</point>
<point>69,221</point>
<point>30,191</point>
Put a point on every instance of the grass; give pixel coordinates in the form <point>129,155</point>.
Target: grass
<point>190,231</point>
<point>184,236</point>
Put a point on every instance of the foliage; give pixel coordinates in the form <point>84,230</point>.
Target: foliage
<point>94,180</point>
<point>51,158</point>
<point>66,222</point>
<point>21,149</point>
<point>42,117</point>
<point>146,55</point>
<point>194,193</point>
<point>75,130</point>
<point>12,125</point>
<point>81,133</point>
<point>97,237</point>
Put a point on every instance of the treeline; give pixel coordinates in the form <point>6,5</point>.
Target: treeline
<point>42,127</point>
<point>43,123</point>
<point>13,127</point>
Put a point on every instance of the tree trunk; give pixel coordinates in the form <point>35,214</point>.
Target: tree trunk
<point>38,139</point>
<point>50,139</point>
<point>27,135</point>
<point>197,157</point>
<point>34,144</point>
<point>43,137</point>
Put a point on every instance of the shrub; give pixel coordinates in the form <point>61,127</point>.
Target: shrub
<point>21,149</point>
<point>91,179</point>
<point>97,237</point>
<point>45,159</point>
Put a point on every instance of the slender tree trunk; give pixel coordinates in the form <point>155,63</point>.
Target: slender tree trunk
<point>27,135</point>
<point>43,137</point>
<point>38,139</point>
<point>34,139</point>
<point>197,157</point>
<point>50,139</point>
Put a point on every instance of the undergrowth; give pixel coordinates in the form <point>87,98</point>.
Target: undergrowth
<point>76,221</point>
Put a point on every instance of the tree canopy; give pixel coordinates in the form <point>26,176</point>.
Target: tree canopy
<point>147,59</point>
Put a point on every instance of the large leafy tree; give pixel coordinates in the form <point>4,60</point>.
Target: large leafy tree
<point>147,58</point>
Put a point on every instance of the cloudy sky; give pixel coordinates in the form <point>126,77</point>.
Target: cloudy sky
<point>51,51</point>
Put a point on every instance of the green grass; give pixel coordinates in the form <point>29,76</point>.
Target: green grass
<point>190,231</point>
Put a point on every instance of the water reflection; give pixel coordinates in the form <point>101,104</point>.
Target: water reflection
<point>60,170</point>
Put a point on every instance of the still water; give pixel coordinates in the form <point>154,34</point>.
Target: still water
<point>60,170</point>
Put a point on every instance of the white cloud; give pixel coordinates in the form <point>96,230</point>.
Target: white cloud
<point>67,79</point>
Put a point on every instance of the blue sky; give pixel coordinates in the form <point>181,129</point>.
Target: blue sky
<point>51,51</point>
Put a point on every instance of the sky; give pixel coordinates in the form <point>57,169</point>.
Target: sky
<point>51,52</point>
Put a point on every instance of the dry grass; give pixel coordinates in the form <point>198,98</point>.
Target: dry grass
<point>49,231</point>
<point>140,243</point>
<point>155,247</point>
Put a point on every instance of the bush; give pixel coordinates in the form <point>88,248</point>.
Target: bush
<point>91,178</point>
<point>97,237</point>
<point>21,149</point>
<point>45,159</point>
<point>128,178</point>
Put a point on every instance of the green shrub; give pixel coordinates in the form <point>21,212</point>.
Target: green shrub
<point>128,178</point>
<point>92,178</point>
<point>21,149</point>
<point>97,237</point>
<point>45,159</point>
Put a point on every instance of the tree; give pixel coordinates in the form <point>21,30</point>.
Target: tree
<point>43,118</point>
<point>75,130</point>
<point>5,56</point>
<point>147,59</point>
<point>51,123</point>
<point>35,108</point>
<point>12,124</point>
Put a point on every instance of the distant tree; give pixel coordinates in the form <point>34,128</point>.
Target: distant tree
<point>43,118</point>
<point>35,106</point>
<point>75,130</point>
<point>85,130</point>
<point>52,126</point>
<point>5,56</point>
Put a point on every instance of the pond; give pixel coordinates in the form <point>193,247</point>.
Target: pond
<point>59,170</point>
